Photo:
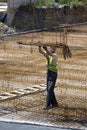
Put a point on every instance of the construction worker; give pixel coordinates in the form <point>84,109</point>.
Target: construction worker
<point>51,57</point>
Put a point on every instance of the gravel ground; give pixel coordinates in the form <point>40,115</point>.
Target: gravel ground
<point>20,68</point>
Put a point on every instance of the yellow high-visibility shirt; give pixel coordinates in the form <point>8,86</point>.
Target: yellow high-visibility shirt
<point>52,63</point>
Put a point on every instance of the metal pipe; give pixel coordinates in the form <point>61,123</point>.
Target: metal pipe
<point>44,29</point>
<point>20,33</point>
<point>71,25</point>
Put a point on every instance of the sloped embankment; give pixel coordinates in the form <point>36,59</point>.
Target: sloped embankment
<point>5,29</point>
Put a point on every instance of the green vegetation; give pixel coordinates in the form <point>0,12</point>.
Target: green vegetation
<point>72,2</point>
<point>49,3</point>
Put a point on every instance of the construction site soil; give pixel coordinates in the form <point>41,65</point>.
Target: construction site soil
<point>22,67</point>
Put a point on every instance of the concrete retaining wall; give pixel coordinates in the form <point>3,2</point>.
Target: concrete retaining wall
<point>12,7</point>
<point>62,15</point>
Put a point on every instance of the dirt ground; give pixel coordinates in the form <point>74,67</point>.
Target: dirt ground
<point>22,66</point>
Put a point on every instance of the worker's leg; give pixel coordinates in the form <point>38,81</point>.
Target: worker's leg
<point>54,101</point>
<point>49,93</point>
<point>51,100</point>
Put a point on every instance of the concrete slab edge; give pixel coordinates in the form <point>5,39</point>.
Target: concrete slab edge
<point>37,124</point>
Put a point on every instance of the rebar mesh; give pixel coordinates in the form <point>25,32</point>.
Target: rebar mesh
<point>23,73</point>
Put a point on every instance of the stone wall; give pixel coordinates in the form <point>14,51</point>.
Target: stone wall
<point>65,15</point>
<point>44,17</point>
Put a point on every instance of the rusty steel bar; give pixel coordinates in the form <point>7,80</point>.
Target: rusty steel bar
<point>39,43</point>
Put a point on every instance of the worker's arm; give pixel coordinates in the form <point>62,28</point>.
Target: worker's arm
<point>42,51</point>
<point>46,53</point>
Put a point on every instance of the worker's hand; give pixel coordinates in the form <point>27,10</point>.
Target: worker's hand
<point>45,48</point>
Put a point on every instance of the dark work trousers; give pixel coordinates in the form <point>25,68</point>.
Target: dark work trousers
<point>51,80</point>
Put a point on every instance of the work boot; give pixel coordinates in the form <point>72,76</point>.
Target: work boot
<point>56,105</point>
<point>47,108</point>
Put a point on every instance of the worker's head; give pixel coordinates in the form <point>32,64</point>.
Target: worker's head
<point>53,49</point>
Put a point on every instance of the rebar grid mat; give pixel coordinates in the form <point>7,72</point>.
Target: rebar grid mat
<point>22,67</point>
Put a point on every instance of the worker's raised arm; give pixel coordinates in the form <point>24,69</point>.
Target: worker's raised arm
<point>42,51</point>
<point>48,52</point>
